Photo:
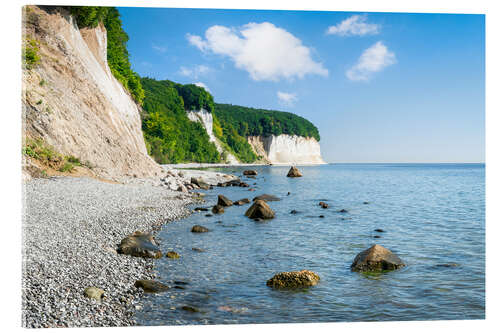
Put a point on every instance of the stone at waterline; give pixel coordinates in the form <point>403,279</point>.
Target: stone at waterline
<point>201,209</point>
<point>293,211</point>
<point>378,230</point>
<point>200,183</point>
<point>250,173</point>
<point>241,202</point>
<point>173,255</point>
<point>217,209</point>
<point>297,279</point>
<point>294,172</point>
<point>260,209</point>
<point>223,201</point>
<point>376,259</point>
<point>151,286</point>
<point>199,228</point>
<point>182,189</point>
<point>323,204</point>
<point>343,211</point>
<point>266,197</point>
<point>95,293</point>
<point>208,215</point>
<point>243,184</point>
<point>140,245</point>
<point>322,216</point>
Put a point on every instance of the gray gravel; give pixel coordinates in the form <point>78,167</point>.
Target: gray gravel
<point>71,228</point>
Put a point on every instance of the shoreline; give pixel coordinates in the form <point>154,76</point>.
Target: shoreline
<point>71,229</point>
<point>222,165</point>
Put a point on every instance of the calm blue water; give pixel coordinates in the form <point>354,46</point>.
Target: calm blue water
<point>432,214</point>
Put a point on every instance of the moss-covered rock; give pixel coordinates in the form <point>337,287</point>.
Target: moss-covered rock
<point>297,279</point>
<point>173,255</point>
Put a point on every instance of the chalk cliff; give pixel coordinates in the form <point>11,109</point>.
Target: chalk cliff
<point>207,120</point>
<point>287,149</point>
<point>72,101</point>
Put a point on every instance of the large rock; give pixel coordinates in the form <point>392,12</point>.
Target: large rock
<point>260,209</point>
<point>223,201</point>
<point>151,286</point>
<point>376,259</point>
<point>250,173</point>
<point>266,197</point>
<point>140,245</point>
<point>200,183</point>
<point>297,279</point>
<point>294,172</point>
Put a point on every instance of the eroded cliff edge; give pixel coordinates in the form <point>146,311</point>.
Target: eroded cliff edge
<point>72,101</point>
<point>287,149</point>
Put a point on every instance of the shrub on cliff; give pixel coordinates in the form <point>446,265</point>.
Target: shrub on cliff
<point>170,136</point>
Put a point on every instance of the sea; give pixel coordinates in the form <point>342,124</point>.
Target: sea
<point>432,217</point>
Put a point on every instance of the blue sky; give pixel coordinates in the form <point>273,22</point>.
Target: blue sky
<point>381,87</point>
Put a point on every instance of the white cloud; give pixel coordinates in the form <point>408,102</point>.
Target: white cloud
<point>195,71</point>
<point>203,85</point>
<point>354,26</point>
<point>265,51</point>
<point>374,59</point>
<point>161,49</point>
<point>287,99</point>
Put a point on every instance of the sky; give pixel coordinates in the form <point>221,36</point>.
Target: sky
<point>380,87</point>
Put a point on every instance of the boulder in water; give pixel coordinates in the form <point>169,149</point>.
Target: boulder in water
<point>294,172</point>
<point>323,204</point>
<point>297,279</point>
<point>260,209</point>
<point>140,245</point>
<point>250,173</point>
<point>199,228</point>
<point>200,183</point>
<point>223,201</point>
<point>376,259</point>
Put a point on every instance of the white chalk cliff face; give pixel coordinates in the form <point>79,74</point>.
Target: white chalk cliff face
<point>287,149</point>
<point>73,102</point>
<point>207,120</point>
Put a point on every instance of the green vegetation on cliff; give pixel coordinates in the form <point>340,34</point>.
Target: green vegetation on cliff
<point>118,56</point>
<point>170,136</point>
<point>253,122</point>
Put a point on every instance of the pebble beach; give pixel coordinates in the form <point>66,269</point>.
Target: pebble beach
<point>71,228</point>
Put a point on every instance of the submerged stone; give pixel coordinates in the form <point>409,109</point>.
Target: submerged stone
<point>199,228</point>
<point>217,209</point>
<point>266,197</point>
<point>173,255</point>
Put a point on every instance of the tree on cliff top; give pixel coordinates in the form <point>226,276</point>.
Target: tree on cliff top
<point>118,56</point>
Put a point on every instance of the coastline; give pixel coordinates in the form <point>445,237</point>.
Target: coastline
<point>223,165</point>
<point>71,229</point>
